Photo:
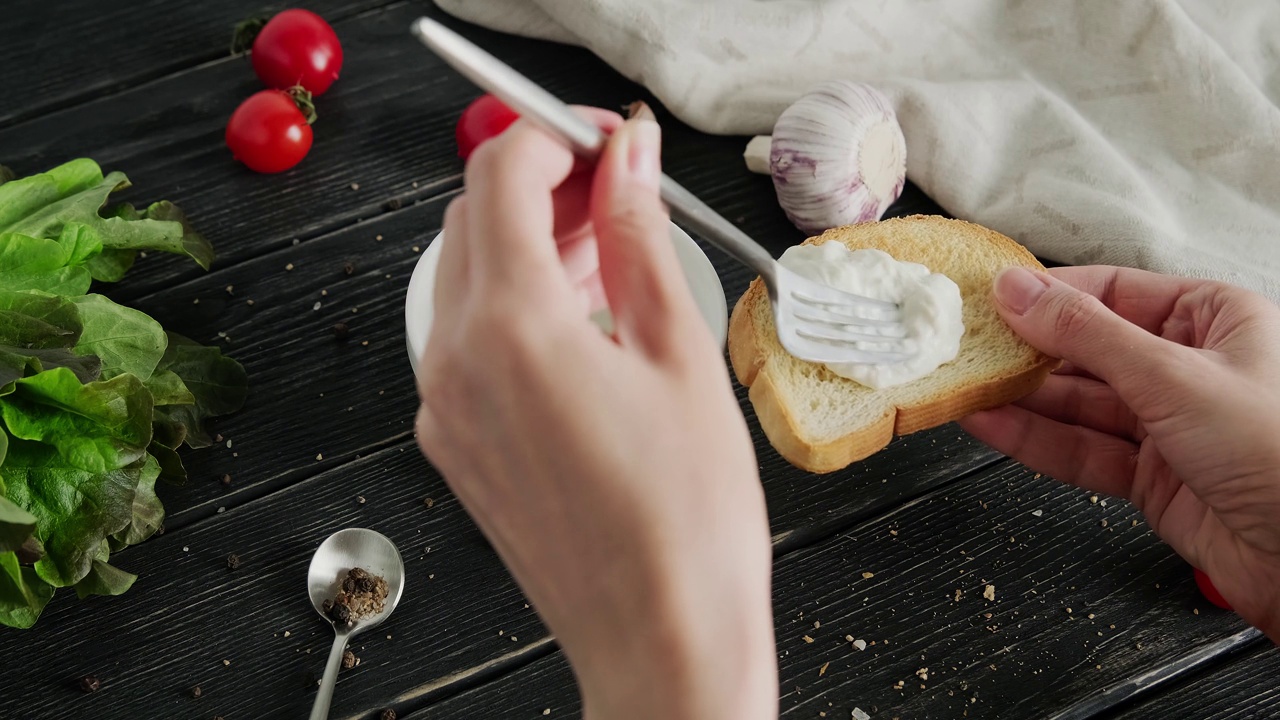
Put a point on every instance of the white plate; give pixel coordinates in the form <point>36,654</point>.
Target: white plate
<point>698,271</point>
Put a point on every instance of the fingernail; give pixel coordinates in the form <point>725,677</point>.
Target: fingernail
<point>643,152</point>
<point>1019,289</point>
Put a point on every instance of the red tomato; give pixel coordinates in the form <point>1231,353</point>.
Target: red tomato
<point>1209,591</point>
<point>269,131</point>
<point>484,118</point>
<point>297,47</point>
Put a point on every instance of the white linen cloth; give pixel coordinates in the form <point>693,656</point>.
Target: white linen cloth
<point>1143,133</point>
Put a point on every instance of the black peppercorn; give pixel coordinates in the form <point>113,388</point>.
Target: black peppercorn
<point>340,613</point>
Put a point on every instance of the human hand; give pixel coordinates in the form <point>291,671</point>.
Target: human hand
<point>614,476</point>
<point>1169,398</point>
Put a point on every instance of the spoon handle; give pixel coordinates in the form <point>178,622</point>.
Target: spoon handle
<point>320,710</point>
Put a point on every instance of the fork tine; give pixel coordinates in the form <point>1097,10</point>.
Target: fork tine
<point>844,350</point>
<point>833,310</point>
<point>845,331</point>
<point>822,324</point>
<point>829,316</point>
<point>862,341</point>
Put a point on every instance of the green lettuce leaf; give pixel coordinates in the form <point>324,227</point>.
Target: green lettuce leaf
<point>171,468</point>
<point>16,524</point>
<point>17,362</point>
<point>96,427</point>
<point>126,340</point>
<point>218,384</point>
<point>22,199</point>
<point>103,578</point>
<point>191,243</point>
<point>36,332</point>
<point>28,263</point>
<point>95,398</point>
<point>30,320</point>
<point>148,511</point>
<point>43,205</point>
<point>168,389</point>
<point>22,593</point>
<point>14,366</point>
<point>76,510</point>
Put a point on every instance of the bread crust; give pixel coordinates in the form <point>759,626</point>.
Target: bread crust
<point>780,422</point>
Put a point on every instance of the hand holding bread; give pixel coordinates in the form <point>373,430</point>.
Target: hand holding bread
<point>615,475</point>
<point>1168,398</point>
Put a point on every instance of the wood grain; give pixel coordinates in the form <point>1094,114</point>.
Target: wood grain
<point>1244,688</point>
<point>99,49</point>
<point>188,613</point>
<point>328,422</point>
<point>315,404</point>
<point>1133,607</point>
<point>315,395</point>
<point>385,134</point>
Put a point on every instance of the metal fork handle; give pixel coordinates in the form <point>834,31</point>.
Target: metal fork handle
<point>687,208</point>
<point>583,138</point>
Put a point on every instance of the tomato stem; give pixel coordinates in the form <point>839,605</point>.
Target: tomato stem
<point>302,99</point>
<point>245,33</point>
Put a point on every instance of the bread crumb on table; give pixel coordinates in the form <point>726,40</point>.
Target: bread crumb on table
<point>989,593</point>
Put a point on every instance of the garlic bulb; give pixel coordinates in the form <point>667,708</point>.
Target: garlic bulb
<point>837,156</point>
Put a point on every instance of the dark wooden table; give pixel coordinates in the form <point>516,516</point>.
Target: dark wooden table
<point>1092,616</point>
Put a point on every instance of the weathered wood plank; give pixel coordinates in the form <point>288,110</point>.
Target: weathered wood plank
<point>78,51</point>
<point>1244,688</point>
<point>186,599</point>
<point>1132,609</point>
<point>314,395</point>
<point>386,125</point>
<point>188,612</point>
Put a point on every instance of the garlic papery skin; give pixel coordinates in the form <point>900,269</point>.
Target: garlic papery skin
<point>837,156</point>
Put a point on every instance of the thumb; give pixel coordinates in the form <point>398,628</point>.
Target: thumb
<point>1065,322</point>
<point>642,278</point>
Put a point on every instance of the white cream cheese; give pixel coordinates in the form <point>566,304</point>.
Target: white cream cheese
<point>930,302</point>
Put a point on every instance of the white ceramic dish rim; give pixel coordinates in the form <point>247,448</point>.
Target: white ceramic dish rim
<point>701,275</point>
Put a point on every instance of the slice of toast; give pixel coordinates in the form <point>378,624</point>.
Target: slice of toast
<point>822,422</point>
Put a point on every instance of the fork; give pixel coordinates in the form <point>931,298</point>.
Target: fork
<point>814,321</point>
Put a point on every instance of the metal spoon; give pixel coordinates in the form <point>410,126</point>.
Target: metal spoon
<point>340,552</point>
